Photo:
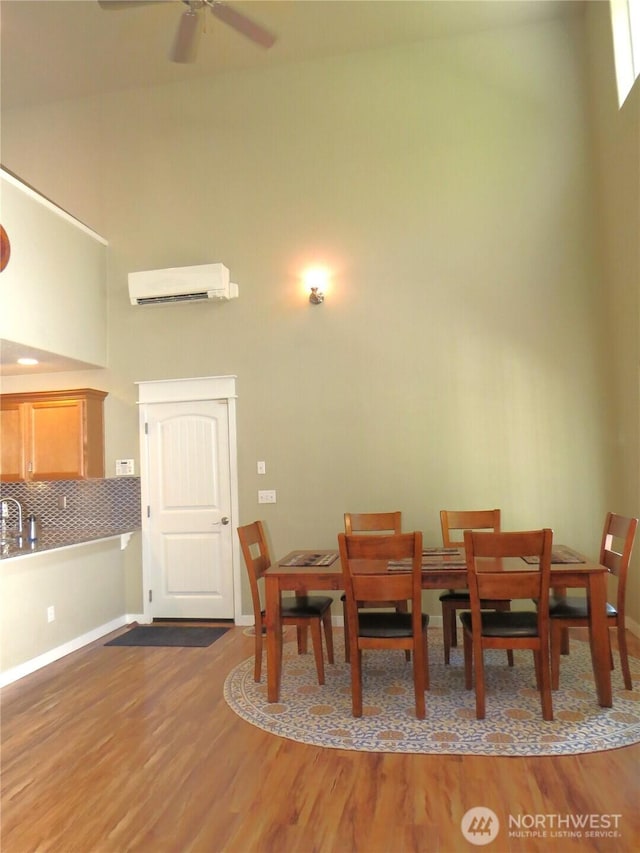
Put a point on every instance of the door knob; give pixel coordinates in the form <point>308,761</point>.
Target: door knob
<point>225,520</point>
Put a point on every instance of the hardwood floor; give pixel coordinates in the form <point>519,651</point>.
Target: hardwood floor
<point>135,749</point>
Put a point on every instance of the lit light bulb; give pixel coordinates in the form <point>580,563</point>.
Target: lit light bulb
<point>316,280</point>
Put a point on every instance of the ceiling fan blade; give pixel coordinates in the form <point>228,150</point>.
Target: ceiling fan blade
<point>242,24</point>
<point>187,37</point>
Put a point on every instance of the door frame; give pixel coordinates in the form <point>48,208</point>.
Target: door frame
<point>184,391</point>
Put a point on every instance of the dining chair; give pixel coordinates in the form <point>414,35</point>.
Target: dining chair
<point>458,599</point>
<point>507,629</point>
<point>303,611</point>
<point>371,522</point>
<point>377,583</point>
<point>568,612</point>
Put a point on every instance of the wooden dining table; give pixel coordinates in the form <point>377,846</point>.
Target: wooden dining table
<point>443,568</point>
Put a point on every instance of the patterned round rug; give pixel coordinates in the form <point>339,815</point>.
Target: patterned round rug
<point>321,715</point>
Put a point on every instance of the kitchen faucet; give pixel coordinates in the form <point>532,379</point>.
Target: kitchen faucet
<point>5,513</point>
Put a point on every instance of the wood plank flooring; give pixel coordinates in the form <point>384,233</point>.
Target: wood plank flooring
<point>135,749</point>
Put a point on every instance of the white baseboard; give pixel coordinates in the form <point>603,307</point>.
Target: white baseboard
<point>26,668</point>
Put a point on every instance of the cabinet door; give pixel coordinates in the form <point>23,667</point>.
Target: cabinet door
<point>12,442</point>
<point>56,442</point>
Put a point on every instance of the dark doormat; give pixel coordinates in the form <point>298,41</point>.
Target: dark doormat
<point>168,635</point>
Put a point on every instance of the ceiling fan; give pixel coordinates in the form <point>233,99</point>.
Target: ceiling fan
<point>185,42</point>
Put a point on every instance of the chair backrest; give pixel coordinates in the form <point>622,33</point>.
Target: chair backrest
<point>461,520</point>
<point>616,547</point>
<point>256,557</point>
<point>498,580</point>
<point>377,583</point>
<point>368,522</point>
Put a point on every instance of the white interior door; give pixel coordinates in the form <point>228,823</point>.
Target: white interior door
<point>189,512</point>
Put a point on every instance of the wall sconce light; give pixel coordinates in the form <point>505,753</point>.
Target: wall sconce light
<point>316,281</point>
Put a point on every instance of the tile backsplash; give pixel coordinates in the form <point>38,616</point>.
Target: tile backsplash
<point>110,503</point>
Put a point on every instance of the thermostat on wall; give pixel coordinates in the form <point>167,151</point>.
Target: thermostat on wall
<point>124,467</point>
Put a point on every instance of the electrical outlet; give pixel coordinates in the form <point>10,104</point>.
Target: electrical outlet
<point>266,496</point>
<point>51,614</point>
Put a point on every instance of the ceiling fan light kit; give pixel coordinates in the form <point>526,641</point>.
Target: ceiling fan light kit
<point>185,43</point>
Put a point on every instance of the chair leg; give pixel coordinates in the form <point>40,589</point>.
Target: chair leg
<point>453,626</point>
<point>478,663</point>
<point>468,660</point>
<point>510,657</point>
<point>356,684</point>
<point>446,632</point>
<point>402,607</point>
<point>555,634</point>
<point>536,667</point>
<point>545,682</point>
<point>328,634</point>
<point>419,680</point>
<point>345,622</point>
<point>426,661</point>
<point>316,639</point>
<point>301,632</point>
<point>624,656</point>
<point>257,666</point>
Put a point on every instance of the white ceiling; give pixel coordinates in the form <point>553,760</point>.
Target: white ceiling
<point>57,49</point>
<point>48,362</point>
<point>53,50</point>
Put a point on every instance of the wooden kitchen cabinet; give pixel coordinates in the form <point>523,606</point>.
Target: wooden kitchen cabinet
<point>52,435</point>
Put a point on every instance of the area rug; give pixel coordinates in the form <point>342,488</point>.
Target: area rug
<point>321,715</point>
<point>168,635</point>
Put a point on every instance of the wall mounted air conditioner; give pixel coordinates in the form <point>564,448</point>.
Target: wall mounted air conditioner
<point>181,284</point>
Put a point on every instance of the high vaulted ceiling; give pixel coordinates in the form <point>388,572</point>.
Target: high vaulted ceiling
<point>52,50</point>
<point>59,49</point>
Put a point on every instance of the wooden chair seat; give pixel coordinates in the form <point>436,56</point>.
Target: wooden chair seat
<point>305,605</point>
<point>374,630</point>
<point>387,625</point>
<point>456,600</point>
<point>371,522</point>
<point>304,611</point>
<point>494,579</point>
<point>399,606</point>
<point>616,546</point>
<point>574,608</point>
<point>513,623</point>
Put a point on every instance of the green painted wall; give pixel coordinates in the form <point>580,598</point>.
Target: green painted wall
<point>460,359</point>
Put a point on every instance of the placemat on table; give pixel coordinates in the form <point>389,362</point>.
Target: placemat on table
<point>303,559</point>
<point>560,554</point>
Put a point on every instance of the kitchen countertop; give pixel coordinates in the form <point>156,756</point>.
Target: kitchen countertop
<point>53,538</point>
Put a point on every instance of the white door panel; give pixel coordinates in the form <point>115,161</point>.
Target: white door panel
<point>189,529</point>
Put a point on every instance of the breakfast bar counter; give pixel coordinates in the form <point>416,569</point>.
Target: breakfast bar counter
<point>58,538</point>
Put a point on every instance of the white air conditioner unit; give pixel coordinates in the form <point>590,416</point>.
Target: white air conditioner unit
<point>181,284</point>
